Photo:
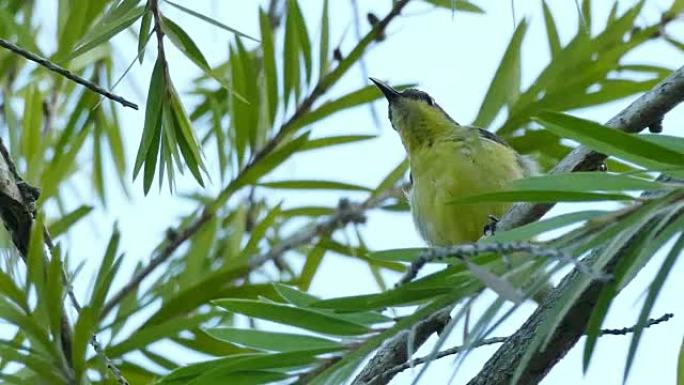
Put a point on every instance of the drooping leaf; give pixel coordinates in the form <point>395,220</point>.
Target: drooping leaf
<point>323,48</point>
<point>269,61</point>
<point>273,341</point>
<point>185,44</point>
<point>460,5</point>
<point>104,31</point>
<point>551,31</point>
<point>211,21</point>
<point>313,185</point>
<point>156,96</point>
<point>294,316</point>
<point>505,85</point>
<point>63,224</point>
<point>653,291</point>
<point>611,141</point>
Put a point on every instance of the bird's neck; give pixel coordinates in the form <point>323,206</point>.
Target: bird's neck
<point>424,133</point>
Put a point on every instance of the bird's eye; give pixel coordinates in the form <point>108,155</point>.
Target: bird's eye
<point>430,101</point>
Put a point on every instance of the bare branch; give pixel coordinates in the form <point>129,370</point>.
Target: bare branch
<point>497,340</point>
<point>66,73</point>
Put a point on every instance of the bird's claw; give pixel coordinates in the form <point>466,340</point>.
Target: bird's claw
<point>490,228</point>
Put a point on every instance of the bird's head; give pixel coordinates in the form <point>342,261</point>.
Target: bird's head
<point>415,114</point>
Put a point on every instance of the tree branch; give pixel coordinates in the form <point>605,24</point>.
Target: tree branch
<point>66,73</point>
<point>497,340</point>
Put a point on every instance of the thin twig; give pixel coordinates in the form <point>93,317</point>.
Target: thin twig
<point>66,73</point>
<point>469,250</point>
<point>172,244</point>
<point>497,340</point>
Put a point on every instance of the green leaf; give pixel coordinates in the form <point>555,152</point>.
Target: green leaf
<point>461,5</point>
<point>398,255</point>
<point>585,181</point>
<point>342,370</point>
<point>148,334</point>
<point>83,331</point>
<point>10,290</point>
<point>263,166</point>
<point>106,272</point>
<point>185,44</point>
<point>551,31</point>
<point>35,259</point>
<point>533,229</point>
<point>680,360</point>
<point>151,156</point>
<point>653,291</point>
<point>303,40</point>
<point>62,165</point>
<point>242,377</point>
<point>104,31</point>
<point>55,290</point>
<point>187,142</point>
<point>63,224</point>
<point>216,371</point>
<point>211,21</point>
<point>505,86</point>
<point>324,41</point>
<point>278,342</point>
<point>313,185</point>
<point>291,51</point>
<point>308,211</point>
<point>156,96</point>
<point>350,100</point>
<point>294,296</point>
<point>32,137</point>
<point>144,34</point>
<point>610,141</point>
<point>392,178</point>
<point>258,233</point>
<point>289,315</point>
<point>269,62</point>
<point>328,141</point>
<point>541,196</point>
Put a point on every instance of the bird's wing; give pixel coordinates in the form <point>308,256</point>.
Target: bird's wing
<point>528,165</point>
<point>491,136</point>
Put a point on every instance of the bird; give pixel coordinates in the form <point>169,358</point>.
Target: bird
<point>449,161</point>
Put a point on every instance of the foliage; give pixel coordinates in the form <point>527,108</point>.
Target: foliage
<point>243,118</point>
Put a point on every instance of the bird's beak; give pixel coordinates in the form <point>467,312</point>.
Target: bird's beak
<point>390,93</point>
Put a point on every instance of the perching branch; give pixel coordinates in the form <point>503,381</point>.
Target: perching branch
<point>469,250</point>
<point>66,73</point>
